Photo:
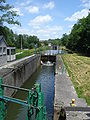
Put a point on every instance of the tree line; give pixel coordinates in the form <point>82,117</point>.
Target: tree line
<point>79,38</point>
<point>15,40</point>
<point>9,16</point>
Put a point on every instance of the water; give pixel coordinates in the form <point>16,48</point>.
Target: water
<point>45,76</point>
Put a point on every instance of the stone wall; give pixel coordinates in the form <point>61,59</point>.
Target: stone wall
<point>19,73</point>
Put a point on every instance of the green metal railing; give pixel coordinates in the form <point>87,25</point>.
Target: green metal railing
<point>35,102</point>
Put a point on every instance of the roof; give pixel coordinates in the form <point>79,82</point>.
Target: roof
<point>11,47</point>
<point>2,38</point>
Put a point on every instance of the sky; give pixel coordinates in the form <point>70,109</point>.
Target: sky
<point>48,19</point>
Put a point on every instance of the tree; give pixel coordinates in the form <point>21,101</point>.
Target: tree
<point>79,38</point>
<point>7,14</point>
<point>64,39</point>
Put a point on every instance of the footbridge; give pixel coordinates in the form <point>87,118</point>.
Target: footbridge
<point>50,55</point>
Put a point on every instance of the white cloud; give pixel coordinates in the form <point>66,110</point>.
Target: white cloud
<point>43,33</point>
<point>86,3</point>
<point>24,3</point>
<point>39,20</point>
<point>20,30</point>
<point>32,9</point>
<point>78,15</point>
<point>17,10</point>
<point>49,5</point>
<point>71,26</point>
<point>49,32</point>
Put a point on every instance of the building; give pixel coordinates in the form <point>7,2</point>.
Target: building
<point>11,54</point>
<point>3,51</point>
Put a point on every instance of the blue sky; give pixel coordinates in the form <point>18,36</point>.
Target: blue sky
<point>48,18</point>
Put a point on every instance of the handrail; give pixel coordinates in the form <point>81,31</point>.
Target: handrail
<point>35,101</point>
<point>14,87</point>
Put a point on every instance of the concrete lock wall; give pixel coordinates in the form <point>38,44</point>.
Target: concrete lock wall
<point>20,73</point>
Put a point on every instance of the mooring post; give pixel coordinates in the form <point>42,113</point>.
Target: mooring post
<point>2,107</point>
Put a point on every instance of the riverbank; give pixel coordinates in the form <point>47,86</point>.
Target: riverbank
<point>79,71</point>
<point>65,92</point>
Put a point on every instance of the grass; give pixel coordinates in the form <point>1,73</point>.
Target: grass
<point>78,68</point>
<point>18,50</point>
<point>25,53</point>
<point>29,52</point>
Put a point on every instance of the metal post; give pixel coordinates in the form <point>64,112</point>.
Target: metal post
<point>40,104</point>
<point>35,48</point>
<point>35,102</point>
<point>21,42</point>
<point>44,113</point>
<point>39,111</point>
<point>29,107</point>
<point>2,107</point>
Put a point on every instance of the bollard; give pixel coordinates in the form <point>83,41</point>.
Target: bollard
<point>73,103</point>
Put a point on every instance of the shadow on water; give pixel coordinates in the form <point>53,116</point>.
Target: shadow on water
<point>45,76</point>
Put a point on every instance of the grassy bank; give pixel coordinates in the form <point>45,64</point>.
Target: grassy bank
<point>25,53</point>
<point>79,70</point>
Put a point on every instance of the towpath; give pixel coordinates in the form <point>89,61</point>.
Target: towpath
<point>65,92</point>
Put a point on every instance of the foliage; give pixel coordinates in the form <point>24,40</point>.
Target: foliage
<point>7,14</point>
<point>79,38</point>
<point>9,35</point>
<point>55,41</point>
<point>64,39</point>
<point>25,53</point>
<point>15,40</point>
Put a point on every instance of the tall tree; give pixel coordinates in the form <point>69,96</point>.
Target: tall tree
<point>7,14</point>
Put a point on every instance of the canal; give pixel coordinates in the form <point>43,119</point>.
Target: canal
<point>45,76</point>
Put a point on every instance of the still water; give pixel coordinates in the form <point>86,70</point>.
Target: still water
<point>45,76</point>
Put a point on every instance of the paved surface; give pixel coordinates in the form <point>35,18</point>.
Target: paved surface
<point>11,64</point>
<point>65,92</point>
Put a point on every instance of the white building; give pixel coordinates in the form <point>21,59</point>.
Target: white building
<point>11,53</point>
